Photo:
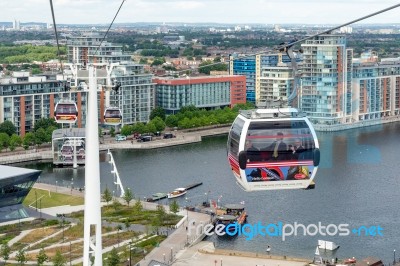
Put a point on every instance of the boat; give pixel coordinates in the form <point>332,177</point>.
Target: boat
<point>226,220</point>
<point>238,211</point>
<point>157,196</point>
<point>235,214</point>
<point>327,245</point>
<point>177,193</point>
<point>350,261</point>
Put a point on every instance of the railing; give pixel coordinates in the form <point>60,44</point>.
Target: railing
<point>115,172</point>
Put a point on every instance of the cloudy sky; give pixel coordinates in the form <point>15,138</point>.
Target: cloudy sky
<point>225,11</point>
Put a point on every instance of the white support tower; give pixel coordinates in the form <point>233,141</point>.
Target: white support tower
<point>92,244</point>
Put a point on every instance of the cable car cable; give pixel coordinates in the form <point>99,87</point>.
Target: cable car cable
<point>109,27</point>
<point>284,47</point>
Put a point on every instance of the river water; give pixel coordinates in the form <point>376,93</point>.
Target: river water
<point>357,184</point>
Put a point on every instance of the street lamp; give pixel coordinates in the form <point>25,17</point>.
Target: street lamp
<point>394,257</point>
<point>56,185</point>
<point>130,253</point>
<point>36,200</point>
<point>164,256</point>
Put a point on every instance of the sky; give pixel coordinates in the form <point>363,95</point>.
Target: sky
<point>193,11</point>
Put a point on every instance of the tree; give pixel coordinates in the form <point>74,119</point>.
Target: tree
<point>41,257</point>
<point>107,196</point>
<point>8,128</point>
<point>112,132</point>
<point>172,121</point>
<point>128,196</point>
<point>15,141</point>
<point>29,140</point>
<point>205,68</point>
<point>158,61</point>
<point>126,130</point>
<point>174,206</point>
<point>40,136</point>
<point>138,207</point>
<point>150,127</point>
<point>158,123</point>
<point>59,259</point>
<point>45,123</point>
<point>158,111</point>
<point>49,133</point>
<point>113,258</point>
<point>143,61</point>
<point>21,256</point>
<point>5,252</point>
<point>4,141</point>
<point>161,211</point>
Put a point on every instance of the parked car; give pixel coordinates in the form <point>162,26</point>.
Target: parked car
<point>145,138</point>
<point>120,137</point>
<point>169,136</point>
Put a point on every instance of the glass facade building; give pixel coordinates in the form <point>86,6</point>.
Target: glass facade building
<point>251,67</point>
<point>326,68</point>
<point>15,184</point>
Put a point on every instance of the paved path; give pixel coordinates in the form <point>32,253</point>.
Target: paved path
<point>177,241</point>
<point>196,256</point>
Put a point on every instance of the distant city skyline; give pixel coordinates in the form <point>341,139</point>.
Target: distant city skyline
<point>199,11</point>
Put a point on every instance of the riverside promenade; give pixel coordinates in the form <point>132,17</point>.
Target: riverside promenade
<point>182,137</point>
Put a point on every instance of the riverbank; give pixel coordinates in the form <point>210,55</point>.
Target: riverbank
<point>359,124</point>
<point>182,137</point>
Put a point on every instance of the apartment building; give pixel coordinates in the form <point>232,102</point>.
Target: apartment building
<point>25,99</point>
<point>207,92</point>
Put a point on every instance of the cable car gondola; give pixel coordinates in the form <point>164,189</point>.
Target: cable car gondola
<point>66,112</point>
<point>270,149</point>
<point>112,116</point>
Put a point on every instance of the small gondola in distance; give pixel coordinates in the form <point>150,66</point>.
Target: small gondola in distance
<point>112,116</point>
<point>66,112</point>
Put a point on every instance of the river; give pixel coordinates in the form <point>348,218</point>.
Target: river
<point>357,184</point>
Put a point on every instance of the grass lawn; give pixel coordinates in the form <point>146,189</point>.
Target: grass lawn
<point>46,199</point>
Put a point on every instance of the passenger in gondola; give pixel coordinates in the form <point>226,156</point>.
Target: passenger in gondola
<point>251,152</point>
<point>278,148</point>
<point>296,149</point>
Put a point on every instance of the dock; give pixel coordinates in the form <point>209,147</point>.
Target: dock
<point>160,196</point>
<point>193,185</point>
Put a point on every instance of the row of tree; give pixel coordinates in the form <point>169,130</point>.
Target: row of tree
<point>41,258</point>
<point>28,53</point>
<point>42,133</point>
<point>187,117</point>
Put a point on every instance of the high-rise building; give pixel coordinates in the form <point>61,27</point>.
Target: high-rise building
<point>136,97</point>
<point>89,48</point>
<point>251,67</point>
<point>376,89</point>
<point>276,83</point>
<point>326,79</point>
